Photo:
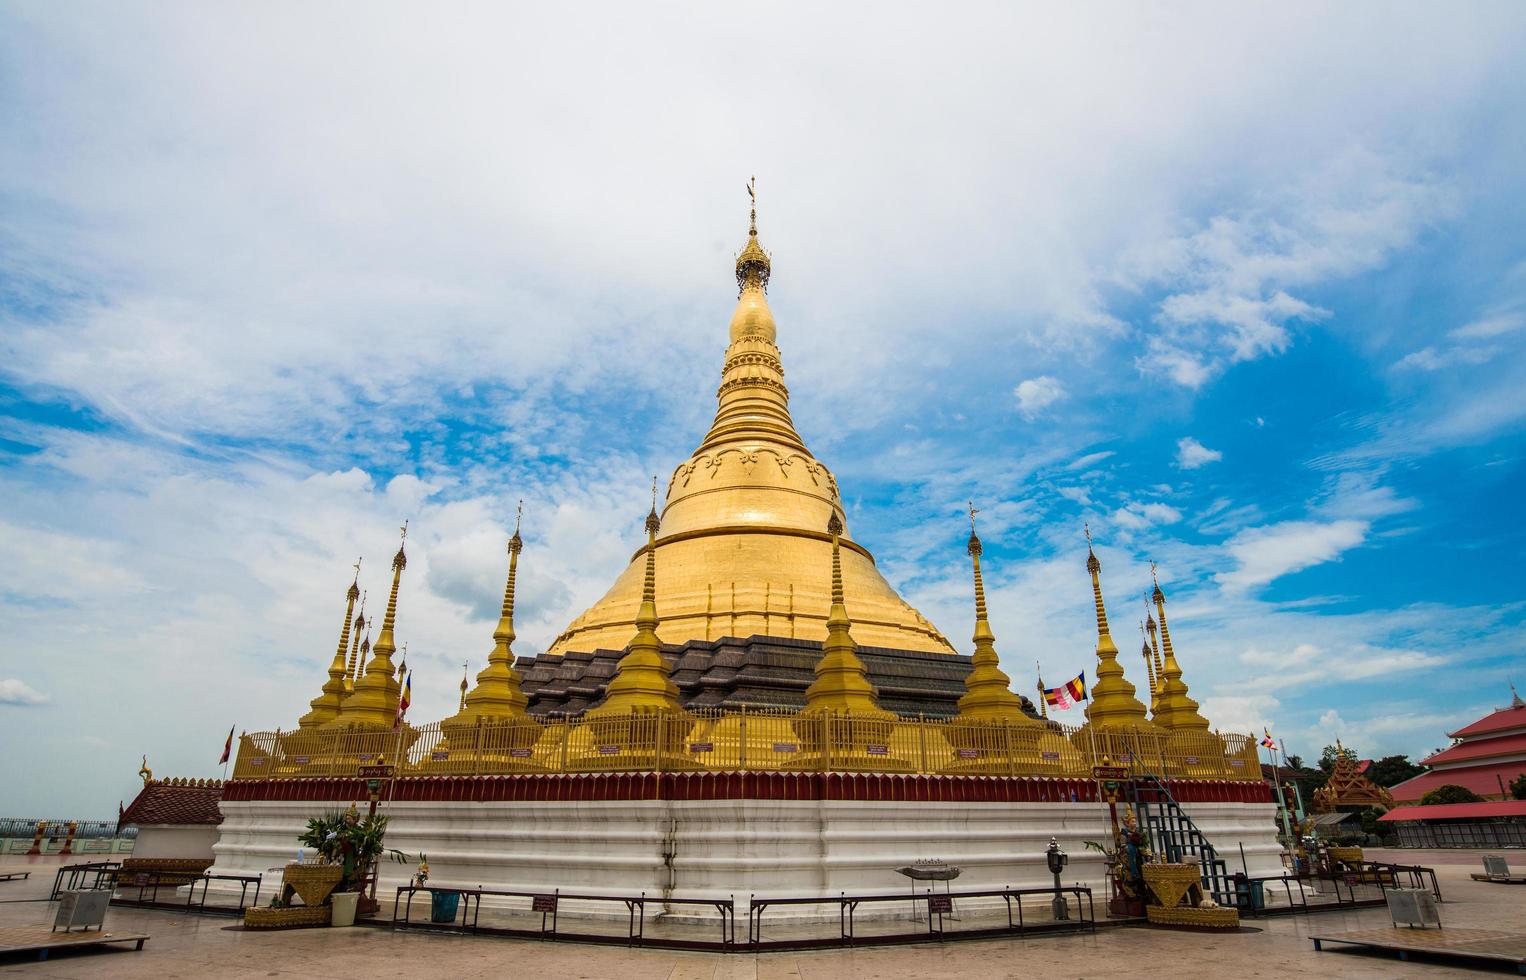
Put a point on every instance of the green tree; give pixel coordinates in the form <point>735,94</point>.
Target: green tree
<point>1391,770</point>
<point>1328,755</point>
<point>1450,793</point>
<point>1518,787</point>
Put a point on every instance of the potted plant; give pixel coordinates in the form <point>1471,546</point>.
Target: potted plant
<point>353,843</point>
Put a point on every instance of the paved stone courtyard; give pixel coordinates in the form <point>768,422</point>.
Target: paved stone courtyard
<point>191,946</point>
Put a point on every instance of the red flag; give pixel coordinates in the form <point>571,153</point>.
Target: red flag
<point>227,746</point>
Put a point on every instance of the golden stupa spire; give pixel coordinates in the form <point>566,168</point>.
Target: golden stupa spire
<point>1144,650</point>
<point>326,706</point>
<point>1113,704</point>
<point>373,704</point>
<point>842,683</point>
<point>466,667</point>
<point>354,662</point>
<point>1154,643</point>
<point>988,690</point>
<point>641,681</point>
<point>497,694</point>
<point>1176,709</point>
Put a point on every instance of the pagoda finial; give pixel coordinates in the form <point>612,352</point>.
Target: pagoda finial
<point>641,681</point>
<point>465,666</point>
<point>1175,708</point>
<point>1149,667</point>
<point>1113,702</point>
<point>496,697</point>
<point>753,265</point>
<point>842,682</point>
<point>988,692</point>
<point>350,668</point>
<point>1515,699</point>
<point>325,707</point>
<point>373,704</point>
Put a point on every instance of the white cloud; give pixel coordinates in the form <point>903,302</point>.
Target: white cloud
<point>1137,516</point>
<point>13,691</point>
<point>1267,553</point>
<point>1036,394</point>
<point>1490,326</point>
<point>1190,454</point>
<point>1089,460</point>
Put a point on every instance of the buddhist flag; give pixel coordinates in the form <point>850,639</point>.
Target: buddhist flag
<point>1067,695</point>
<point>403,698</point>
<point>227,747</point>
<point>1268,741</point>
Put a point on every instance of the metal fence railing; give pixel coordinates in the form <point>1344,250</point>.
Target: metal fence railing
<point>745,741</point>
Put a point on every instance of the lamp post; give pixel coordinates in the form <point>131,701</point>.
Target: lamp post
<point>1057,860</point>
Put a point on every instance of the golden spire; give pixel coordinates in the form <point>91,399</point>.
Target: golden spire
<point>497,694</point>
<point>988,694</point>
<point>354,663</point>
<point>641,681</point>
<point>326,706</point>
<point>1043,698</point>
<point>1144,650</point>
<point>374,701</point>
<point>466,666</point>
<point>1160,669</point>
<point>1113,704</point>
<point>1176,709</point>
<point>842,683</point>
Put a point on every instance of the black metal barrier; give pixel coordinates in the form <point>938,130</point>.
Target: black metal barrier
<point>936,906</point>
<point>78,873</point>
<point>548,904</point>
<point>1331,891</point>
<point>935,911</point>
<point>148,884</point>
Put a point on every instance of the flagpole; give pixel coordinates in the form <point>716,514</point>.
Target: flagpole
<point>1282,803</point>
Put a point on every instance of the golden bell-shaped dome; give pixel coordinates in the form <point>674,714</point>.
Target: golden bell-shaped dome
<point>742,540</point>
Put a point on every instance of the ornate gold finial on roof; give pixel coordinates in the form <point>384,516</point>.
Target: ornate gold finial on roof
<point>146,772</point>
<point>465,666</point>
<point>753,264</point>
<point>515,542</point>
<point>1515,699</point>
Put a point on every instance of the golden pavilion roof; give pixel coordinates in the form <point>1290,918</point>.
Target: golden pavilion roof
<point>743,540</point>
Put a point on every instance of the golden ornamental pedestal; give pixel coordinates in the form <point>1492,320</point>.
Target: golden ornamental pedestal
<point>854,741</point>
<point>638,738</point>
<point>1177,890</point>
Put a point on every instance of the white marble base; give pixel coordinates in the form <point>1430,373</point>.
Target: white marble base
<point>730,848</point>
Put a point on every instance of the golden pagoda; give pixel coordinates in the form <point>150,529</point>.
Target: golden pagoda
<point>742,540</point>
<point>1175,710</point>
<point>373,704</point>
<point>640,712</point>
<point>354,661</point>
<point>492,717</point>
<point>1112,707</point>
<point>326,706</point>
<point>989,698</point>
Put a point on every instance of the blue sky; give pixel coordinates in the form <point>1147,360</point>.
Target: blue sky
<point>1243,289</point>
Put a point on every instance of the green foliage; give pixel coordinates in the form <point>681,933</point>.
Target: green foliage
<point>1450,793</point>
<point>1328,755</point>
<point>1518,787</point>
<point>350,841</point>
<point>1391,770</point>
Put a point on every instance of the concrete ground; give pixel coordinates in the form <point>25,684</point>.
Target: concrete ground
<point>192,946</point>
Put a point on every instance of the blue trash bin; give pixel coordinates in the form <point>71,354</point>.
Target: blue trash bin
<point>443,906</point>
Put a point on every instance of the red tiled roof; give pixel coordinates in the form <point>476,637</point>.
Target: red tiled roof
<point>1457,811</point>
<point>1502,720</point>
<point>1482,748</point>
<point>175,802</point>
<point>1483,780</point>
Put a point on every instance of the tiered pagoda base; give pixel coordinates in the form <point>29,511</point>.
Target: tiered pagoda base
<point>722,835</point>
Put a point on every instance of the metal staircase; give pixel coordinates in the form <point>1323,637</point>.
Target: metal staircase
<point>1173,834</point>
